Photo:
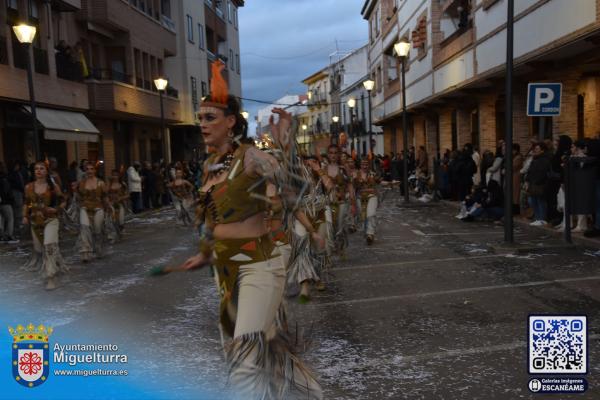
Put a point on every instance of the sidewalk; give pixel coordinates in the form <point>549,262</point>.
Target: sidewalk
<point>577,238</point>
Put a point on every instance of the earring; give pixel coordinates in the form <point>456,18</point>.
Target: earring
<point>230,133</point>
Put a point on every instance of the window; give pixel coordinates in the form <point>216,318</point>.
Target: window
<point>231,60</point>
<point>235,17</point>
<point>33,10</point>
<point>392,67</point>
<point>194,89</point>
<point>209,2</point>
<point>12,4</point>
<point>419,36</point>
<point>165,6</point>
<point>190,29</point>
<point>203,89</point>
<point>229,10</point>
<point>200,36</point>
<point>456,18</point>
<point>237,62</point>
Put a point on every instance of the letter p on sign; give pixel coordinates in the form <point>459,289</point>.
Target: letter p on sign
<point>543,99</point>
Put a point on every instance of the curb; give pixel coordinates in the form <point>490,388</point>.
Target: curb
<point>576,238</point>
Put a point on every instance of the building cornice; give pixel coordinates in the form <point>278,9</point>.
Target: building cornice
<point>317,76</point>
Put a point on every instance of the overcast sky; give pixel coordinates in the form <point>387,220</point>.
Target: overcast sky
<point>284,41</point>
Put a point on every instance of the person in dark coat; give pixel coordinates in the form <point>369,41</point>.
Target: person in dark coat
<point>593,150</point>
<point>537,182</point>
<point>148,185</point>
<point>465,170</point>
<point>562,152</point>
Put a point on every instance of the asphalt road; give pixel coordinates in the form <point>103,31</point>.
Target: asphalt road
<point>435,309</point>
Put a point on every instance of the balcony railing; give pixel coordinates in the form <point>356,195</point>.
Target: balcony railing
<point>68,69</point>
<point>172,92</point>
<point>168,23</point>
<point>101,74</point>
<point>3,50</point>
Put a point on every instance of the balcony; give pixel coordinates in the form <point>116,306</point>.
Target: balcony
<point>67,5</point>
<point>119,16</point>
<point>48,90</point>
<point>114,94</point>
<point>67,69</point>
<point>101,74</point>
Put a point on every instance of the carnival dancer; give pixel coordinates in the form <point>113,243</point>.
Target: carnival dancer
<point>309,258</point>
<point>366,187</point>
<point>340,191</point>
<point>92,193</point>
<point>115,217</point>
<point>43,202</point>
<point>237,241</point>
<point>183,199</point>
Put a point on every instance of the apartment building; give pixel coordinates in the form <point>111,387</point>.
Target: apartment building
<point>94,66</point>
<point>206,30</point>
<point>456,69</point>
<point>318,116</point>
<point>55,88</point>
<point>348,73</point>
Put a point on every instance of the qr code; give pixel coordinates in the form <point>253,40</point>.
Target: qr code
<point>557,344</point>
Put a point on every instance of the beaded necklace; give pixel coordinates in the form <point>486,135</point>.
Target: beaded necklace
<point>218,168</point>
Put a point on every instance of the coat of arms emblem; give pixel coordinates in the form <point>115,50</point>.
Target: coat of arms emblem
<point>30,354</point>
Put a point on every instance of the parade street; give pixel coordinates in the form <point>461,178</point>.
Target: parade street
<point>435,308</point>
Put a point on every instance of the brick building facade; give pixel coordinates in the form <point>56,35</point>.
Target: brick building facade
<point>455,71</point>
<point>95,59</point>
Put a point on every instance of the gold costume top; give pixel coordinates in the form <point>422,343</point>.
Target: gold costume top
<point>91,199</point>
<point>231,200</point>
<point>181,191</point>
<point>340,182</point>
<point>366,186</point>
<point>116,195</point>
<point>37,203</point>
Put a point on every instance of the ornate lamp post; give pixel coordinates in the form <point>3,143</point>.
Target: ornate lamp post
<point>402,48</point>
<point>161,86</point>
<point>351,104</point>
<point>369,84</point>
<point>334,137</point>
<point>25,34</point>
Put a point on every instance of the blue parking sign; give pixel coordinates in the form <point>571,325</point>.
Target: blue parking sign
<point>543,99</point>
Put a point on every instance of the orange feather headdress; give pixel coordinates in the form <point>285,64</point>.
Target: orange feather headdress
<point>219,92</point>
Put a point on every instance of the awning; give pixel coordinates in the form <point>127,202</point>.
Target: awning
<point>65,125</point>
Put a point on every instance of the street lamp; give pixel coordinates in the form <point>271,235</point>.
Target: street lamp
<point>25,34</point>
<point>334,136</point>
<point>402,48</point>
<point>369,84</point>
<point>161,85</point>
<point>304,146</point>
<point>245,114</point>
<point>351,104</point>
<point>508,126</point>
